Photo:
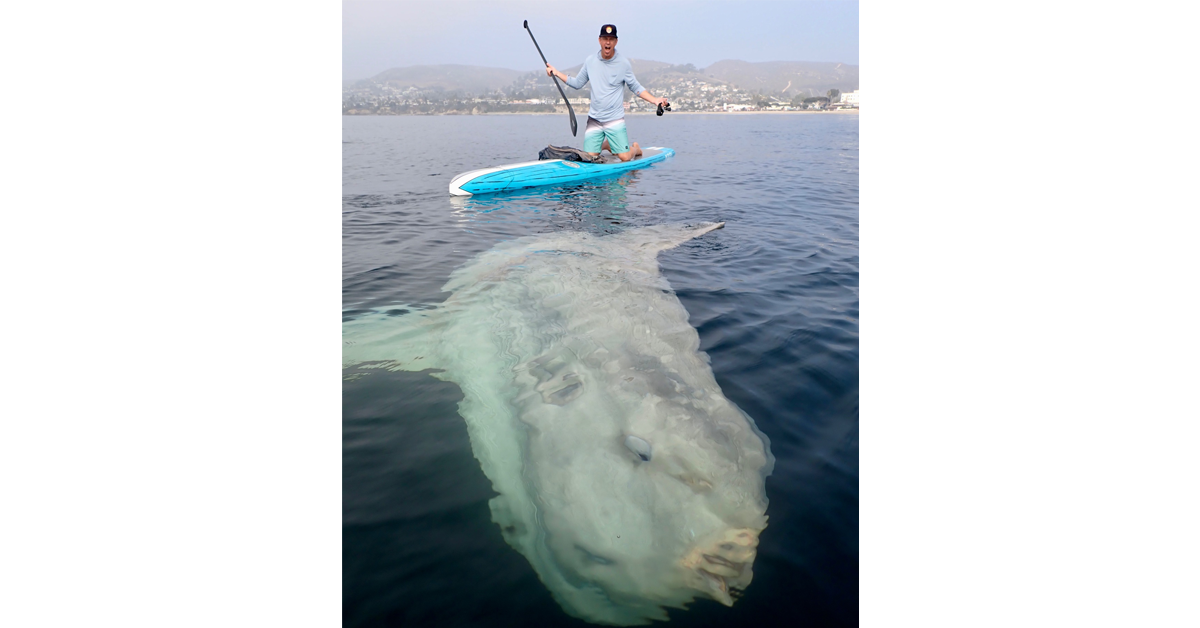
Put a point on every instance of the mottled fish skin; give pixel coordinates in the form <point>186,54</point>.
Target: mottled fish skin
<point>626,478</point>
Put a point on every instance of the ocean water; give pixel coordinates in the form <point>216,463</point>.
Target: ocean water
<point>773,296</point>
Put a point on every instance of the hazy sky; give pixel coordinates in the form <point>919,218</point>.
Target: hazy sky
<point>382,34</point>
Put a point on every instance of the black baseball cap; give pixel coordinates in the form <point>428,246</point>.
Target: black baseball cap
<point>608,30</point>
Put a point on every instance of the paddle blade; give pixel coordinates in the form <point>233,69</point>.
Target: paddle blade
<point>574,126</point>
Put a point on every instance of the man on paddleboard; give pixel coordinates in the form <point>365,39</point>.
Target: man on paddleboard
<point>608,72</point>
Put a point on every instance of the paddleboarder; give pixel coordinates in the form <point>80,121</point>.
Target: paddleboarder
<point>608,72</point>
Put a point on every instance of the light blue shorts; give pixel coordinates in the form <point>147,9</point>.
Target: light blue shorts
<point>596,132</point>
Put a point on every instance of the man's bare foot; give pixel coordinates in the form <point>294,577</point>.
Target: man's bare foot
<point>634,152</point>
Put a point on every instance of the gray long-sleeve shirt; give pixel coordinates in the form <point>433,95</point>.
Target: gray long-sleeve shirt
<point>607,77</point>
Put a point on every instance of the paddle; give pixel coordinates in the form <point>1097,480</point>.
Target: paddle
<point>574,125</point>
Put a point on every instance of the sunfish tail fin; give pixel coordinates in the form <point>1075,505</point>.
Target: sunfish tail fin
<point>395,338</point>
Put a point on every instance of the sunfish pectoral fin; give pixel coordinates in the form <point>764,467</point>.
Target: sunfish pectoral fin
<point>397,339</point>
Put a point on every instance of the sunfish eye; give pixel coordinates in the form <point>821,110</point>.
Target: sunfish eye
<point>639,447</point>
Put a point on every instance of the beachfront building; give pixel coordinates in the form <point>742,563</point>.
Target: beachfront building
<point>850,98</point>
<point>579,104</point>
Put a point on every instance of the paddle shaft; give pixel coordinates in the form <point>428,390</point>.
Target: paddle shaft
<point>574,125</point>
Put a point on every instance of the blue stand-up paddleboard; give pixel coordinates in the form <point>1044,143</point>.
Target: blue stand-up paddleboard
<point>548,172</point>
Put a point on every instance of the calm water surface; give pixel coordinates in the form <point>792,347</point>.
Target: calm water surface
<point>773,295</point>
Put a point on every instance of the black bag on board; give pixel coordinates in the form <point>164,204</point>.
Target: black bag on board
<point>567,153</point>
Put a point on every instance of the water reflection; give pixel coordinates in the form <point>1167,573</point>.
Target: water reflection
<point>596,206</point>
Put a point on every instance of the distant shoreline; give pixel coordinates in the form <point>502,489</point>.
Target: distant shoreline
<point>743,113</point>
<point>633,113</point>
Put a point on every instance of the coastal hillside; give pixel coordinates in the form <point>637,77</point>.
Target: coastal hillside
<point>537,84</point>
<point>450,78</point>
<point>784,79</point>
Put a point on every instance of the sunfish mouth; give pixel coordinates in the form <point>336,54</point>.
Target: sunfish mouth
<point>722,567</point>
